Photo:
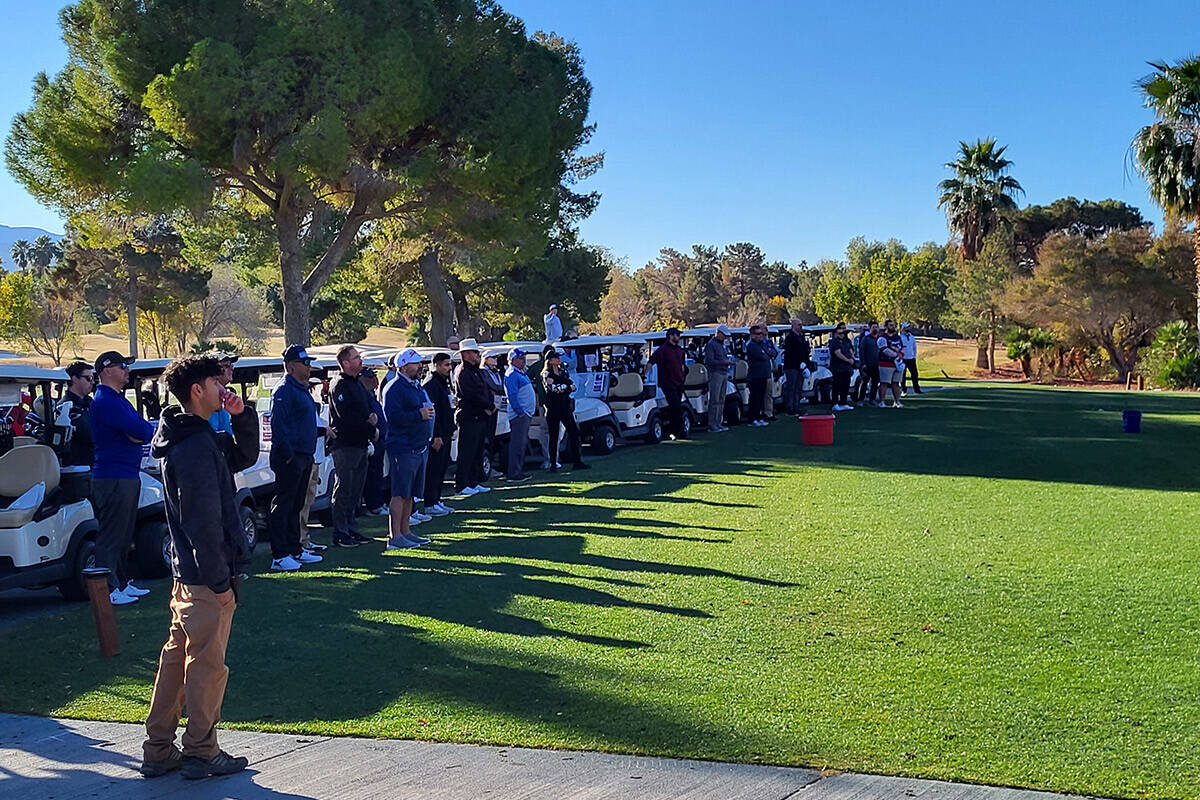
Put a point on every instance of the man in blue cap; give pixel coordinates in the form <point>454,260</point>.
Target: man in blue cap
<point>293,443</point>
<point>522,404</point>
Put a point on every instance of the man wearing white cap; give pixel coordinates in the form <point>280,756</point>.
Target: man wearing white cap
<point>409,414</point>
<point>717,362</point>
<point>910,359</point>
<point>554,328</point>
<point>474,416</point>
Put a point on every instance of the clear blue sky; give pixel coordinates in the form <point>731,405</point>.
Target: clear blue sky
<point>797,125</point>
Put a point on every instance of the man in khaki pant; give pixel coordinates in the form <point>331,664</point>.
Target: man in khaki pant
<point>207,546</point>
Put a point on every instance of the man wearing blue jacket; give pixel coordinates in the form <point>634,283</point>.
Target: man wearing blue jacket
<point>522,405</point>
<point>293,442</point>
<point>760,357</point>
<point>119,432</point>
<point>409,414</point>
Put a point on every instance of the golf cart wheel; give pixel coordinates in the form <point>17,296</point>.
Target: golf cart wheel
<point>153,545</point>
<point>487,465</point>
<point>73,586</point>
<point>249,526</point>
<point>688,423</point>
<point>655,434</point>
<point>733,411</point>
<point>604,440</point>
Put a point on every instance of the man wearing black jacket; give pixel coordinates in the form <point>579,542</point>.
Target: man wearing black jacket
<point>352,425</point>
<point>796,355</point>
<point>81,452</point>
<point>438,389</point>
<point>474,414</point>
<point>207,546</point>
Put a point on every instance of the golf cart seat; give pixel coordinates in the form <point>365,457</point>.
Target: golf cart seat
<point>695,382</point>
<point>625,392</point>
<point>741,370</point>
<point>21,469</point>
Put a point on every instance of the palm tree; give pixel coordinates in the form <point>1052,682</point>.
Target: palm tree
<point>22,253</point>
<point>979,193</point>
<point>1168,151</point>
<point>45,251</point>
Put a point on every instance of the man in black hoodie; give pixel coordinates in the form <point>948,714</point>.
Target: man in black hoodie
<point>207,546</point>
<point>352,423</point>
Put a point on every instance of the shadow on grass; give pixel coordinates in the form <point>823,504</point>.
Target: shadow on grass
<point>1010,433</point>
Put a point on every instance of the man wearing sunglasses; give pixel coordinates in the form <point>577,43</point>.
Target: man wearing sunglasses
<point>78,399</point>
<point>119,433</point>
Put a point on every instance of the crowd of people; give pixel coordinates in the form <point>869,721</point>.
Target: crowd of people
<point>389,439</point>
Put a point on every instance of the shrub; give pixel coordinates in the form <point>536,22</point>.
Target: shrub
<point>1172,361</point>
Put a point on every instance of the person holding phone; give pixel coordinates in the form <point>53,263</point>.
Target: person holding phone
<point>207,544</point>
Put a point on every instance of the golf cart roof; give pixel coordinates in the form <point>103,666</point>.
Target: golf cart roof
<point>25,373</point>
<point>626,339</point>
<point>821,330</point>
<point>156,366</point>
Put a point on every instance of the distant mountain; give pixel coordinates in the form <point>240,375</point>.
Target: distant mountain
<point>10,235</point>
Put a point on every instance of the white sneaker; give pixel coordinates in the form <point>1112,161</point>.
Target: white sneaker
<point>119,598</point>
<point>881,404</point>
<point>468,491</point>
<point>286,564</point>
<point>414,520</point>
<point>382,511</point>
<point>803,401</point>
<point>308,558</point>
<point>445,509</point>
<point>134,591</point>
<point>435,511</point>
<point>905,392</point>
<point>422,516</point>
<point>481,489</point>
<point>897,404</point>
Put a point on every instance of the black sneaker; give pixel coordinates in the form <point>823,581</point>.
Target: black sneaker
<point>358,537</point>
<point>220,764</point>
<point>520,479</point>
<point>155,769</point>
<point>345,540</point>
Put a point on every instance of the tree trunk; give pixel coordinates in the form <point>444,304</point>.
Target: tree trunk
<point>297,327</point>
<point>131,305</point>
<point>441,305</point>
<point>981,355</point>
<point>992,342</point>
<point>1196,263</point>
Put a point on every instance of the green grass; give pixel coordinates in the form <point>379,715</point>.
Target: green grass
<point>994,585</point>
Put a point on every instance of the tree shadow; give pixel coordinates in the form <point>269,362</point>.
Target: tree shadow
<point>62,762</point>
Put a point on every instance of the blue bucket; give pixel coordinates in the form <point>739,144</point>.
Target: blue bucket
<point>1131,421</point>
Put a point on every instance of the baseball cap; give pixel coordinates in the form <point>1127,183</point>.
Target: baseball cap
<point>724,329</point>
<point>112,359</point>
<point>516,352</point>
<point>296,352</point>
<point>906,325</point>
<point>409,356</point>
<point>672,330</point>
<point>553,306</point>
<point>223,355</point>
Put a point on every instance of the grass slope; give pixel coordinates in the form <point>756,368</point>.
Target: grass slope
<point>993,585</point>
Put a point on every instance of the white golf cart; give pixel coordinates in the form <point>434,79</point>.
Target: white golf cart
<point>47,524</point>
<point>613,403</point>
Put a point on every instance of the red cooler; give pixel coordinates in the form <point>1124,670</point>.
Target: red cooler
<point>817,429</point>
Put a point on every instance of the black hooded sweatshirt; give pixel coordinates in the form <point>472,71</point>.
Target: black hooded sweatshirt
<point>197,463</point>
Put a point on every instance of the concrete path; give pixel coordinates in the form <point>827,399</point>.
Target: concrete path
<point>46,758</point>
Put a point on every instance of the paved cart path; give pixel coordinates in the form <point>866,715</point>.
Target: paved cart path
<point>47,758</point>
